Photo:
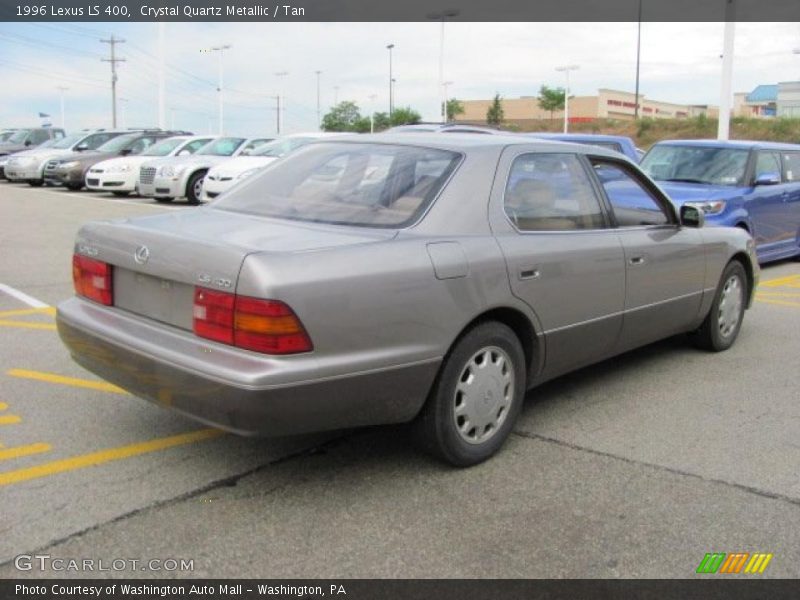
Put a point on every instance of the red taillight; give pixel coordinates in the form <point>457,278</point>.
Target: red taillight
<point>213,315</point>
<point>267,326</point>
<point>92,279</point>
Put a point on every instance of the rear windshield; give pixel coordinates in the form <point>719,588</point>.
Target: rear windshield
<point>119,143</point>
<point>361,184</point>
<point>69,141</point>
<point>279,148</point>
<point>221,147</point>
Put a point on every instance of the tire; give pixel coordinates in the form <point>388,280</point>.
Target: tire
<point>195,187</point>
<point>165,200</point>
<point>74,187</point>
<point>465,428</point>
<point>121,194</point>
<point>721,326</point>
<point>35,182</point>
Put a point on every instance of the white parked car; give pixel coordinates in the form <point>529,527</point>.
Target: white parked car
<point>182,176</point>
<point>29,164</point>
<point>226,174</point>
<point>119,175</point>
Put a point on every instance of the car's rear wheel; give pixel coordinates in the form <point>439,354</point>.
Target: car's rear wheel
<point>35,182</point>
<point>121,194</point>
<point>476,397</point>
<point>74,187</point>
<point>195,187</point>
<point>721,326</point>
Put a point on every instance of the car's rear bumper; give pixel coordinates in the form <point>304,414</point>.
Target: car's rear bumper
<point>236,390</point>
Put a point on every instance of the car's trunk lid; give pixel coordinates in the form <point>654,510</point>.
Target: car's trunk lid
<point>159,260</point>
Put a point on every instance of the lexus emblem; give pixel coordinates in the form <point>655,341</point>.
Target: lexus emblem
<point>142,255</point>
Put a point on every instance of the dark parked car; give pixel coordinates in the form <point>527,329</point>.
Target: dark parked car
<point>401,277</point>
<point>71,170</point>
<point>24,139</point>
<point>619,143</point>
<point>751,185</point>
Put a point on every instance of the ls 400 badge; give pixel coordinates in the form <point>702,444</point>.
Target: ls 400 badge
<point>220,282</point>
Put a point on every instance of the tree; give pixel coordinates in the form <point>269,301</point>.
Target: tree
<point>345,116</point>
<point>381,121</point>
<point>454,107</point>
<point>551,99</point>
<point>404,116</point>
<point>495,114</point>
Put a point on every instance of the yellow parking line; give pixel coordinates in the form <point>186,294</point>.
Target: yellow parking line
<point>3,406</point>
<point>19,451</point>
<point>9,419</point>
<point>779,294</point>
<point>781,281</point>
<point>104,456</point>
<point>60,379</point>
<point>26,325</point>
<point>21,312</point>
<point>779,302</point>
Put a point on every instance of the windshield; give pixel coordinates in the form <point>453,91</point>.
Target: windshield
<point>19,136</point>
<point>372,185</point>
<point>5,135</point>
<point>696,164</point>
<point>221,147</point>
<point>163,148</point>
<point>69,141</point>
<point>118,143</point>
<point>281,147</point>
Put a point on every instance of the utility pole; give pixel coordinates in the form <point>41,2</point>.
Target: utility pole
<point>723,127</point>
<point>219,49</point>
<point>319,114</point>
<point>113,60</point>
<point>62,89</point>
<point>277,114</point>
<point>390,47</point>
<point>280,75</point>
<point>372,113</point>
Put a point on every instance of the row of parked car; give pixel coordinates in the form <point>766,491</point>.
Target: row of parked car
<point>751,185</point>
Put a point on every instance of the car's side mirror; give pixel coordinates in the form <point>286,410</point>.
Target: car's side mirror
<point>125,152</point>
<point>771,178</point>
<point>27,142</point>
<point>691,216</point>
<point>81,147</point>
<point>184,153</point>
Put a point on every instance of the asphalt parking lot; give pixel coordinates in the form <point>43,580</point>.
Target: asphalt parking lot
<point>636,467</point>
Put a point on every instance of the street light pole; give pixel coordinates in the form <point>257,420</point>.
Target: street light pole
<point>124,103</point>
<point>281,108</point>
<point>391,81</point>
<point>442,16</point>
<point>319,117</point>
<point>446,84</point>
<point>566,69</point>
<point>62,89</point>
<point>638,55</point>
<point>723,127</point>
<point>372,112</point>
<point>219,49</point>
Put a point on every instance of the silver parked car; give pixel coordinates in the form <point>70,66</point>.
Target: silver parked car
<point>395,278</point>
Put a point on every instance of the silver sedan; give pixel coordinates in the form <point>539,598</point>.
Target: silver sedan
<point>400,278</point>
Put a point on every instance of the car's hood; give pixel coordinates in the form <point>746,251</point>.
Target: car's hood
<point>680,192</point>
<point>10,148</point>
<point>236,166</point>
<point>133,162</point>
<point>44,154</point>
<point>203,161</point>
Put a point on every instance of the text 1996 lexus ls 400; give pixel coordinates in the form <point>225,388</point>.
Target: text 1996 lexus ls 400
<point>400,278</point>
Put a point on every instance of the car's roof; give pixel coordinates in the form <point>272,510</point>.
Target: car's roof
<point>458,142</point>
<point>743,144</point>
<point>599,137</point>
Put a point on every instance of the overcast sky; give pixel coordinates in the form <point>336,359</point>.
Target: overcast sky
<point>680,62</point>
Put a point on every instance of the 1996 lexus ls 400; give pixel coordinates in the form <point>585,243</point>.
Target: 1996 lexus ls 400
<point>393,278</point>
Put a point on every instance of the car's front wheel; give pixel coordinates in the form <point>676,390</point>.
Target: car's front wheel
<point>194,188</point>
<point>721,326</point>
<point>476,397</point>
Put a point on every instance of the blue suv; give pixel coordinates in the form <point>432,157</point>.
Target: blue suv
<point>618,143</point>
<point>751,185</point>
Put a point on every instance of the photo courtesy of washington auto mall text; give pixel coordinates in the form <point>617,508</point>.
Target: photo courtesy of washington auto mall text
<point>427,299</point>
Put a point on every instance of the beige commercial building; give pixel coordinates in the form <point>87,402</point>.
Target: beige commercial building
<point>607,104</point>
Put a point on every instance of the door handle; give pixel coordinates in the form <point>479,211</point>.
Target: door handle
<point>636,260</point>
<point>529,273</point>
